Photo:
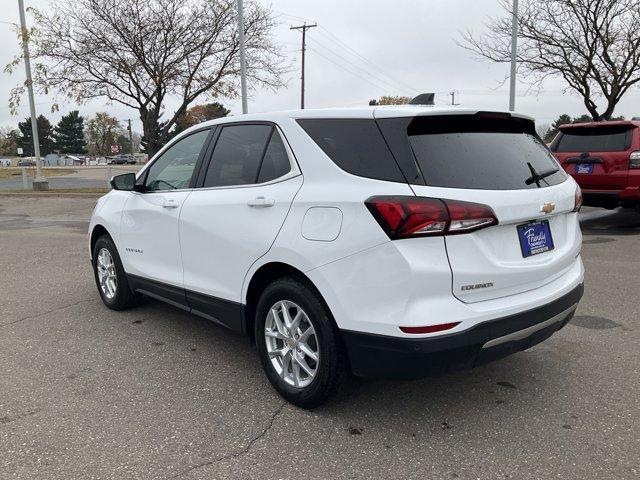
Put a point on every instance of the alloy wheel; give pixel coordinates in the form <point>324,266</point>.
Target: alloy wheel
<point>107,277</point>
<point>292,344</point>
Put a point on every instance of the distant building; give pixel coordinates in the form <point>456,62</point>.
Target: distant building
<point>51,160</point>
<point>66,160</point>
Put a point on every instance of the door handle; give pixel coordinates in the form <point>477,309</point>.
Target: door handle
<point>170,204</point>
<point>261,202</point>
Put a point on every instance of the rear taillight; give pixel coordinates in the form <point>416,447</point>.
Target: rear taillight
<point>634,160</point>
<point>404,217</point>
<point>467,216</point>
<point>578,202</point>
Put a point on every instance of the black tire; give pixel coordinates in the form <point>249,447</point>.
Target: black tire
<point>124,297</point>
<point>332,365</point>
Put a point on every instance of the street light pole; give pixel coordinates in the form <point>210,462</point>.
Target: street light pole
<point>130,137</point>
<point>40,182</point>
<point>514,52</point>
<point>243,65</point>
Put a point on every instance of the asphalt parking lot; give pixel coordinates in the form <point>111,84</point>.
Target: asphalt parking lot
<point>157,393</point>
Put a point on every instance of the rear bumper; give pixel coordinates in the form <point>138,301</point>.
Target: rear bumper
<point>407,358</point>
<point>611,198</point>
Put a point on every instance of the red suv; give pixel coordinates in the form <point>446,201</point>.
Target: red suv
<point>604,158</point>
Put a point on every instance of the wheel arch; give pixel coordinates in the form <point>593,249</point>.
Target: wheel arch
<point>96,233</point>
<point>264,276</point>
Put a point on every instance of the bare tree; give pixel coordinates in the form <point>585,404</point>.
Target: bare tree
<point>139,53</point>
<point>390,100</point>
<point>543,130</point>
<point>594,45</point>
<point>101,132</point>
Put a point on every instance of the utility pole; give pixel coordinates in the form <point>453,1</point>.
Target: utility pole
<point>40,182</point>
<point>304,29</point>
<point>130,137</point>
<point>243,65</point>
<point>453,98</point>
<point>514,52</point>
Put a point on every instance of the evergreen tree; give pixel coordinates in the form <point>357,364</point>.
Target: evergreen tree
<point>69,133</point>
<point>45,136</point>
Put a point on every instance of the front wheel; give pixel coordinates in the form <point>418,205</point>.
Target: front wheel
<point>299,346</point>
<point>110,276</point>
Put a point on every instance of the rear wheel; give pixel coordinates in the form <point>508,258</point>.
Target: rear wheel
<point>298,344</point>
<point>110,276</point>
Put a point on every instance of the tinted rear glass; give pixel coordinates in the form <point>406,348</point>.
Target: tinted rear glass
<point>355,145</point>
<point>481,153</point>
<point>600,139</point>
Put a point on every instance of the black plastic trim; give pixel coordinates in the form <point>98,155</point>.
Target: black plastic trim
<point>225,312</point>
<point>373,355</point>
<point>160,291</point>
<point>394,132</point>
<point>605,199</point>
<point>222,311</point>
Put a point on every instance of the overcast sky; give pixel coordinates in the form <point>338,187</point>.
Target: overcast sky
<point>396,48</point>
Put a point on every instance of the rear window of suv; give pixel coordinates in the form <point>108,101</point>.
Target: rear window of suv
<point>481,152</point>
<point>594,139</point>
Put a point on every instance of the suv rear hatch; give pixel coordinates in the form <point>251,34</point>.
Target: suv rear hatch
<point>495,160</point>
<point>596,154</point>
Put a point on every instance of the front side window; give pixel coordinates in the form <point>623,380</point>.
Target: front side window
<point>246,155</point>
<point>174,169</point>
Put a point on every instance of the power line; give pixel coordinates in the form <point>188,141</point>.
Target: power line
<point>382,88</point>
<point>331,36</point>
<point>290,16</point>
<point>350,63</point>
<point>350,50</point>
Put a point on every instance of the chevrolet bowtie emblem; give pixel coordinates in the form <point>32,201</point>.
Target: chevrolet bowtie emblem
<point>548,207</point>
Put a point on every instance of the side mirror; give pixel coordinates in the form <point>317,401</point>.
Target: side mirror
<point>126,182</point>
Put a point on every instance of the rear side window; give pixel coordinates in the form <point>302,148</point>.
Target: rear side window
<point>473,152</point>
<point>354,145</point>
<point>598,139</point>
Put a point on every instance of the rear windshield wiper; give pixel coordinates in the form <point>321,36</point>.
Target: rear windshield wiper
<point>537,176</point>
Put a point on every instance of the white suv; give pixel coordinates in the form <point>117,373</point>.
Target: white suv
<point>388,241</point>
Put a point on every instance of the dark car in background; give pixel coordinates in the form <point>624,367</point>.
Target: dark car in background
<point>122,160</point>
<point>26,162</point>
<point>604,158</point>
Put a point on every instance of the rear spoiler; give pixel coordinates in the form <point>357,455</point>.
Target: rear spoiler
<point>617,123</point>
